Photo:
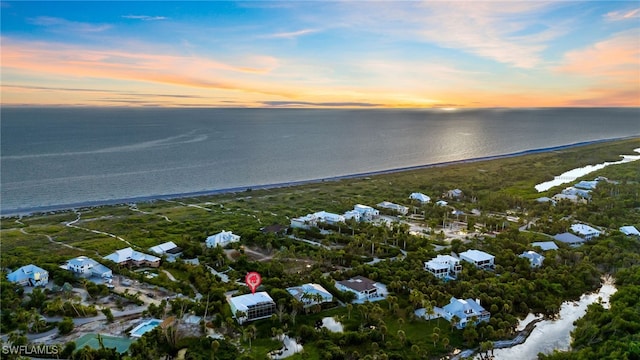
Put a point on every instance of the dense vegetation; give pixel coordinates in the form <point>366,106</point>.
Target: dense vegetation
<point>385,329</point>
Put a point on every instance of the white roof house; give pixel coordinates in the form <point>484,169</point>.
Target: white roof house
<point>578,192</point>
<point>464,310</point>
<point>169,248</point>
<point>585,231</point>
<point>366,212</point>
<point>251,307</point>
<point>310,294</point>
<point>29,275</point>
<point>441,203</point>
<point>312,220</point>
<point>128,256</point>
<point>630,230</point>
<point>545,245</point>
<point>571,198</point>
<point>455,193</point>
<point>535,258</point>
<point>222,239</point>
<point>479,258</point>
<point>443,266</point>
<point>420,197</point>
<point>395,207</point>
<point>87,267</point>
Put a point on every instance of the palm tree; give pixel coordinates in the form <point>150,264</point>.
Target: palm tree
<point>250,333</point>
<point>455,320</point>
<point>215,345</point>
<point>445,342</point>
<point>349,308</point>
<point>402,336</point>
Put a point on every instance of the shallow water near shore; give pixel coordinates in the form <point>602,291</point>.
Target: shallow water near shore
<point>58,158</point>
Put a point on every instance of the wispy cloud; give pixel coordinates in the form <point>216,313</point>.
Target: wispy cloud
<point>319,104</point>
<point>611,67</point>
<point>623,15</point>
<point>291,34</point>
<point>61,24</point>
<point>145,17</point>
<point>189,71</point>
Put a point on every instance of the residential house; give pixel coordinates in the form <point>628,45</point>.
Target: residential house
<point>130,257</point>
<point>454,194</point>
<point>310,294</point>
<point>422,198</point>
<point>479,258</point>
<point>29,275</point>
<point>545,245</point>
<point>443,266</point>
<point>365,289</point>
<point>535,258</point>
<point>222,239</point>
<point>367,213</point>
<point>312,220</point>
<point>585,194</point>
<point>88,268</point>
<point>545,199</point>
<point>464,312</point>
<point>572,198</point>
<point>400,209</point>
<point>585,231</point>
<point>168,249</point>
<point>630,230</point>
<point>569,239</point>
<point>250,307</point>
<point>587,185</point>
<point>441,203</point>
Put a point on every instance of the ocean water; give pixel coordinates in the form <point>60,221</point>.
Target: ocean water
<point>57,157</point>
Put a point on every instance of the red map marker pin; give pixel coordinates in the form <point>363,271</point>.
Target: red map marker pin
<point>253,280</point>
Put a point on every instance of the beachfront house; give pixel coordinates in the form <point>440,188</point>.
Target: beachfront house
<point>545,245</point>
<point>250,307</point>
<point>443,266</point>
<point>535,259</point>
<point>310,294</point>
<point>365,289</point>
<point>480,259</point>
<point>168,249</point>
<point>29,275</point>
<point>85,267</point>
<point>569,239</point>
<point>400,209</point>
<point>585,231</point>
<point>422,198</point>
<point>130,257</point>
<point>312,220</point>
<point>463,312</point>
<point>629,231</point>
<point>222,239</point>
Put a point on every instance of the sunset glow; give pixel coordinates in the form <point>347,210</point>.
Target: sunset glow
<point>445,55</point>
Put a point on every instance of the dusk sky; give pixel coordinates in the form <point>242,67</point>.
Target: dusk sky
<point>321,54</point>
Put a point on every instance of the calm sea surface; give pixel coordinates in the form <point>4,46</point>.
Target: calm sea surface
<point>56,157</point>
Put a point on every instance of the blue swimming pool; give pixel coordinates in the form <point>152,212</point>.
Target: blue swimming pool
<point>146,326</point>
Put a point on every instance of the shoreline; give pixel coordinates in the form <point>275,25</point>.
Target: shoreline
<point>150,198</point>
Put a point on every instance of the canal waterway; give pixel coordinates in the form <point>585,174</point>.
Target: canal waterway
<point>550,335</point>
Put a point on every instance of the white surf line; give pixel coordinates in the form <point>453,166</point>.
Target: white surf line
<point>134,207</point>
<point>70,224</point>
